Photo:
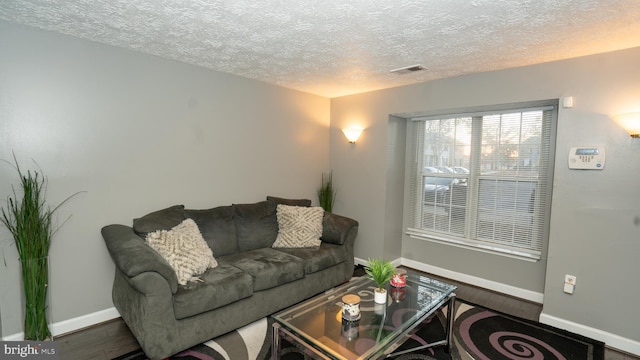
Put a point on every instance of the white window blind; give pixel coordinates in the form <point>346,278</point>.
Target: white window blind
<point>483,179</point>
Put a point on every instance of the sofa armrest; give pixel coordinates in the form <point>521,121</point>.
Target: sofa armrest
<point>132,256</point>
<point>338,229</point>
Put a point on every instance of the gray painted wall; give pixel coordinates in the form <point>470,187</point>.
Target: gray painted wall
<point>594,232</point>
<point>138,133</point>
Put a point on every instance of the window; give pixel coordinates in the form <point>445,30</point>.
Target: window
<point>483,179</point>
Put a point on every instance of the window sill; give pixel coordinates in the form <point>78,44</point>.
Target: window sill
<point>486,248</point>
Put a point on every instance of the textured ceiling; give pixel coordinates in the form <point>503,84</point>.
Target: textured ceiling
<point>340,47</point>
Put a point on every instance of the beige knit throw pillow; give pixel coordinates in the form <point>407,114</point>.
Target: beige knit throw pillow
<point>184,249</point>
<point>299,226</point>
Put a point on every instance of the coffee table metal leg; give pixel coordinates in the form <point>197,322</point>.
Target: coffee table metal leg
<point>448,328</point>
<point>450,319</point>
<point>280,332</point>
<point>275,342</point>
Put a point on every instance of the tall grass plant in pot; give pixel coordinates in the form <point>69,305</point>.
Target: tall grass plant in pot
<point>29,219</point>
<point>327,193</point>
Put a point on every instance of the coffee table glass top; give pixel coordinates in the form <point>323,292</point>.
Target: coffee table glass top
<point>318,321</point>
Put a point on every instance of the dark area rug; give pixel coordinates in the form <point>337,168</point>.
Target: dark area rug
<point>479,334</point>
<point>488,334</point>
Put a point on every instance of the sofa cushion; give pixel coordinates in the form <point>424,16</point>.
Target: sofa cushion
<point>256,225</point>
<point>324,257</point>
<point>217,228</point>
<point>291,202</point>
<point>184,249</point>
<point>219,287</point>
<point>268,267</point>
<point>163,219</point>
<point>298,227</point>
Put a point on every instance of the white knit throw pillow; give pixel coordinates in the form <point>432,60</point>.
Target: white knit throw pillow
<point>299,226</point>
<point>184,249</point>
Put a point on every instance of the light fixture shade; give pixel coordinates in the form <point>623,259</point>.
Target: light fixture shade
<point>352,134</point>
<point>630,122</point>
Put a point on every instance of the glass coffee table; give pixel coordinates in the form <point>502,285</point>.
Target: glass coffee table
<point>316,327</point>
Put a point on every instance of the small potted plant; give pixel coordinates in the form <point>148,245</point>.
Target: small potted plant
<point>380,271</point>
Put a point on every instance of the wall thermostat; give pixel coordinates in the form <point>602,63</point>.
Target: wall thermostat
<point>586,158</point>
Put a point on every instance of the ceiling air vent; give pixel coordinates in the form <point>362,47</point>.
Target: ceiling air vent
<point>408,69</point>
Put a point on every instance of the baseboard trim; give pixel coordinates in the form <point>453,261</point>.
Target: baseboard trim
<point>84,321</point>
<point>469,279</point>
<point>476,281</point>
<point>611,340</point>
<point>80,322</point>
<point>363,262</point>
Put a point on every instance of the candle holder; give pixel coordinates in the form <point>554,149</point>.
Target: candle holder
<point>399,279</point>
<point>350,307</point>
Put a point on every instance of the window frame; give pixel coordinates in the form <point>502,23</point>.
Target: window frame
<point>414,195</point>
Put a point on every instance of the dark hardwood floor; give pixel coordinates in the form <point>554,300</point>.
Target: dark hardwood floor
<point>112,338</point>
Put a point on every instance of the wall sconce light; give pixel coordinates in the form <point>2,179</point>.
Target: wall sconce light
<point>630,122</point>
<point>352,134</point>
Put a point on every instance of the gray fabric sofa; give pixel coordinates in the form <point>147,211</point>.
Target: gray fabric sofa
<point>252,279</point>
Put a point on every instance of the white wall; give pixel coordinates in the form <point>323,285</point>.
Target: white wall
<point>138,133</point>
<point>594,228</point>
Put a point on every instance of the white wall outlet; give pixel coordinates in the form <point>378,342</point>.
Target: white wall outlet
<point>568,288</point>
<point>570,279</point>
<point>569,284</point>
